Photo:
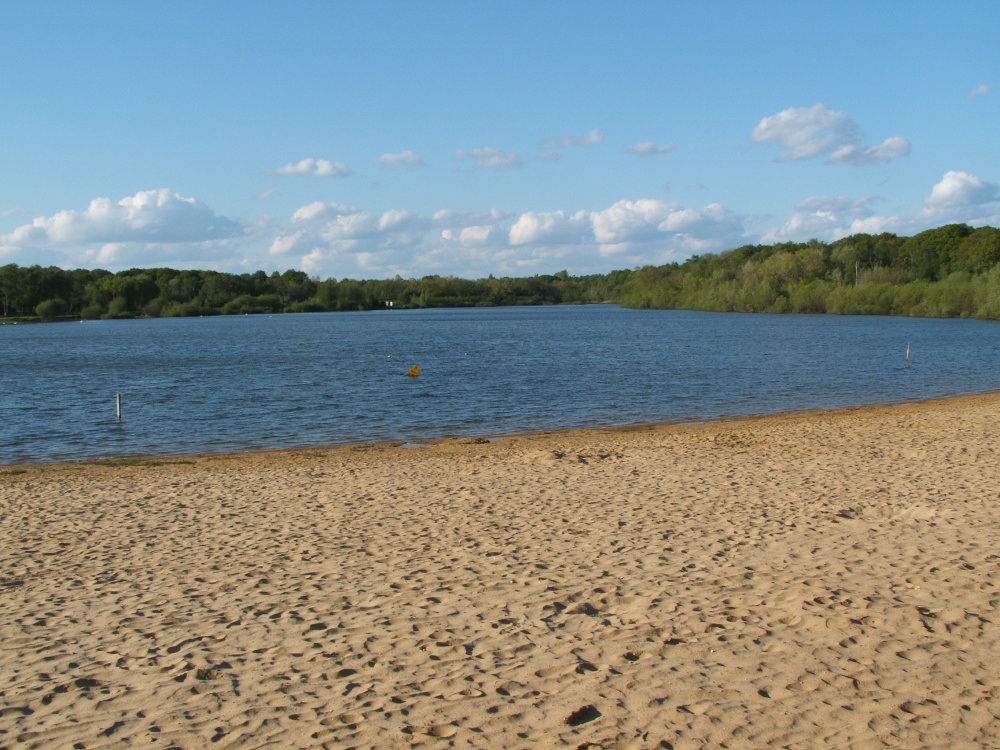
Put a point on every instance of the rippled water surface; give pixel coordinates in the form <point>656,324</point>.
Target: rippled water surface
<point>227,383</point>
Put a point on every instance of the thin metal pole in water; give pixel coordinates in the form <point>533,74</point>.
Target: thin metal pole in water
<point>118,406</point>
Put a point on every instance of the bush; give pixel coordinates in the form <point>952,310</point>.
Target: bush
<point>810,297</point>
<point>51,309</point>
<point>185,310</point>
<point>92,312</point>
<point>909,298</point>
<point>988,295</point>
<point>248,304</point>
<point>153,308</point>
<point>309,306</point>
<point>117,309</point>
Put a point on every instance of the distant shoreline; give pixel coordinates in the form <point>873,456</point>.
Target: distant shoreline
<point>949,271</point>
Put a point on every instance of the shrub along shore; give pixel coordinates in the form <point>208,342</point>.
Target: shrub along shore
<point>950,271</point>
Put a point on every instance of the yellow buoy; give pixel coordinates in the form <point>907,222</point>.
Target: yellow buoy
<point>413,372</point>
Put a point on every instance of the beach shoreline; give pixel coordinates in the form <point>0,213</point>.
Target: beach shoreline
<point>817,578</point>
<point>478,438</point>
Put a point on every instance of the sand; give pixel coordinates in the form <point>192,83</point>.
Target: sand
<point>825,579</point>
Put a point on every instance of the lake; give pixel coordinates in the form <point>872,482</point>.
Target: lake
<point>193,385</point>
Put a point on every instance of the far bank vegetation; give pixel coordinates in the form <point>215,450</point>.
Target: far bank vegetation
<point>950,271</point>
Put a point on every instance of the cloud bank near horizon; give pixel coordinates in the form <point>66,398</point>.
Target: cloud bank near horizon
<point>328,239</point>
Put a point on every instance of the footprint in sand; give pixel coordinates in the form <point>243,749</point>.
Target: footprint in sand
<point>583,715</point>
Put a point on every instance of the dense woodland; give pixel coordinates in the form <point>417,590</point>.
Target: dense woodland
<point>951,271</point>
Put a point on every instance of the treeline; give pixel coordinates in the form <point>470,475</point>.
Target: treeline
<point>52,293</point>
<point>950,271</point>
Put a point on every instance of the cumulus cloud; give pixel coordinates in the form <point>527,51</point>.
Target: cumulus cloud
<point>981,90</point>
<point>317,167</point>
<point>489,158</point>
<point>820,217</point>
<point>593,138</point>
<point>554,227</point>
<point>402,159</point>
<point>149,216</point>
<point>477,235</point>
<point>321,230</point>
<point>398,219</point>
<point>648,148</point>
<point>342,241</point>
<point>469,229</point>
<point>627,224</point>
<point>960,190</point>
<point>956,198</point>
<point>318,210</point>
<point>809,132</point>
<point>286,243</point>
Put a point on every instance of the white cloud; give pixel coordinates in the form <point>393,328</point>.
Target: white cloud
<point>324,224</point>
<point>397,219</point>
<point>880,224</point>
<point>647,148</point>
<point>149,216</point>
<point>821,217</point>
<point>402,159</point>
<point>489,157</point>
<point>319,210</point>
<point>324,232</point>
<point>672,227</point>
<point>981,90</point>
<point>318,167</point>
<point>958,197</point>
<point>960,190</point>
<point>593,138</point>
<point>286,243</point>
<point>349,226</point>
<point>313,262</point>
<point>472,230</point>
<point>550,228</point>
<point>805,133</point>
<point>474,236</point>
<point>339,241</point>
<point>887,150</point>
<point>465,218</point>
<point>629,221</point>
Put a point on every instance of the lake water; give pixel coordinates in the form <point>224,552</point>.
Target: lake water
<point>250,382</point>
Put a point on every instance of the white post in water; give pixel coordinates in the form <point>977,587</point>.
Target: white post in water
<point>118,406</point>
<point>907,353</point>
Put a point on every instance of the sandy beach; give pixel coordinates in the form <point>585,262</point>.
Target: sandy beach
<point>823,579</point>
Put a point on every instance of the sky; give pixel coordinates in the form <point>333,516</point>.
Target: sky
<point>372,139</point>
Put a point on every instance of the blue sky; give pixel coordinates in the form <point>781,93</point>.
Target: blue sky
<point>369,139</point>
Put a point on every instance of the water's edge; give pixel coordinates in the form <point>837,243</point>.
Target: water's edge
<point>161,459</point>
<point>222,385</point>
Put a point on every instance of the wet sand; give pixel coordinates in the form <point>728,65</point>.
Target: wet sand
<point>802,580</point>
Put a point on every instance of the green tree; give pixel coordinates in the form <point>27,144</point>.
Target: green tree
<point>51,309</point>
<point>979,251</point>
<point>930,253</point>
